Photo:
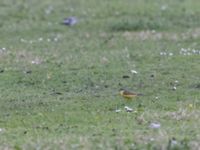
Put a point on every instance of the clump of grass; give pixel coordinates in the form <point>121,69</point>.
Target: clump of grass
<point>144,23</point>
<point>160,22</point>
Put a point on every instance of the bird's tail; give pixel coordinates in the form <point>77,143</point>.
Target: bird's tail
<point>140,94</point>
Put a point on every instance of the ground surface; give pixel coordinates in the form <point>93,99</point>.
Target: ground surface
<point>59,84</point>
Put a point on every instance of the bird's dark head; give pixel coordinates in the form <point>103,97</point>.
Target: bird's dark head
<point>121,89</point>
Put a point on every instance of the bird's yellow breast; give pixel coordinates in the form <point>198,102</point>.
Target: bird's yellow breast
<point>127,95</point>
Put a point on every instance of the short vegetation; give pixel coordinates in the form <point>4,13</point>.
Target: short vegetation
<point>59,84</point>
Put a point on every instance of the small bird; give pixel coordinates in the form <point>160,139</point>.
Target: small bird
<point>70,21</point>
<point>129,95</point>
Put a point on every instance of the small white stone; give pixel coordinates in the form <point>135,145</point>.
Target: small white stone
<point>118,110</point>
<point>174,88</point>
<point>134,72</point>
<point>128,109</point>
<point>174,142</point>
<point>155,125</point>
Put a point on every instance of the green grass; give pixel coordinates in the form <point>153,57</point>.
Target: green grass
<point>59,85</point>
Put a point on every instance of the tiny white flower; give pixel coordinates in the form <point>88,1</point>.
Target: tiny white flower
<point>152,139</point>
<point>40,39</point>
<point>36,61</point>
<point>72,9</point>
<point>163,53</point>
<point>176,81</point>
<point>96,86</point>
<point>23,40</point>
<point>49,23</point>
<point>171,54</point>
<point>48,10</point>
<point>183,50</point>
<point>55,39</point>
<point>194,51</point>
<point>2,129</point>
<point>163,7</point>
<point>33,62</point>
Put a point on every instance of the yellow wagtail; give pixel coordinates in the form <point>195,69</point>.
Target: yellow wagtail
<point>129,95</point>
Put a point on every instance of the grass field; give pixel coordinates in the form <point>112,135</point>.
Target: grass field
<point>59,85</point>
